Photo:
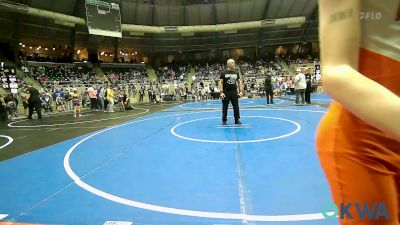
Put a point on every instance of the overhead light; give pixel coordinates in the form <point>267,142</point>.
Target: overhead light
<point>23,46</point>
<point>106,54</point>
<point>111,55</point>
<point>54,49</point>
<point>135,53</point>
<point>142,62</point>
<point>20,43</point>
<point>102,53</point>
<point>79,51</point>
<point>39,47</point>
<point>46,49</point>
<point>30,47</point>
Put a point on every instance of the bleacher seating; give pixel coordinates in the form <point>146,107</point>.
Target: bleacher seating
<point>77,74</point>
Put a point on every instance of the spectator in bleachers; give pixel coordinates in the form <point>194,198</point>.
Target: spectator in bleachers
<point>127,75</point>
<point>61,74</point>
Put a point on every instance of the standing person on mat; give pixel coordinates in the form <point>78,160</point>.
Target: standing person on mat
<point>358,140</point>
<point>34,102</point>
<point>269,92</point>
<point>300,85</point>
<point>309,87</point>
<point>76,102</point>
<point>110,99</point>
<point>93,98</point>
<point>229,84</point>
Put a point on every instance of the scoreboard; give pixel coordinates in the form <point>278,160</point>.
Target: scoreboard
<point>103,18</point>
<point>8,78</point>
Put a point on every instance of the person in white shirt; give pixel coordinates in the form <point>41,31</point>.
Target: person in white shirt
<point>300,85</point>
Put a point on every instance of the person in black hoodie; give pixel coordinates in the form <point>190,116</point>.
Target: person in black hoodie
<point>308,88</point>
<point>34,102</point>
<point>269,92</point>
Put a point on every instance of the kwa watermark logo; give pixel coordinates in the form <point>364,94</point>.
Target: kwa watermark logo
<point>369,211</point>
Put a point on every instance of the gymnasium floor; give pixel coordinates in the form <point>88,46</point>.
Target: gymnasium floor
<point>167,165</point>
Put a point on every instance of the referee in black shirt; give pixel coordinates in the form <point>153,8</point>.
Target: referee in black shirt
<point>34,102</point>
<point>229,83</point>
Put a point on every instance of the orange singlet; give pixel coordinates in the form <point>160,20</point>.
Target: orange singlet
<point>361,163</point>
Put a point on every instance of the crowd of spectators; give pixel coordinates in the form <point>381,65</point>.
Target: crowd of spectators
<point>260,68</point>
<point>283,83</point>
<point>59,80</point>
<point>299,59</point>
<point>172,73</point>
<point>208,71</point>
<point>50,75</point>
<point>128,75</point>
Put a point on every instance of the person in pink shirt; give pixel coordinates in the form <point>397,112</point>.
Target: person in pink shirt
<point>93,98</point>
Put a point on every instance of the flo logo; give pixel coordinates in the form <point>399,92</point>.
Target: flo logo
<point>372,211</point>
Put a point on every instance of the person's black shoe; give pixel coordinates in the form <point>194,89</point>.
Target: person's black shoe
<point>223,123</point>
<point>238,122</point>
